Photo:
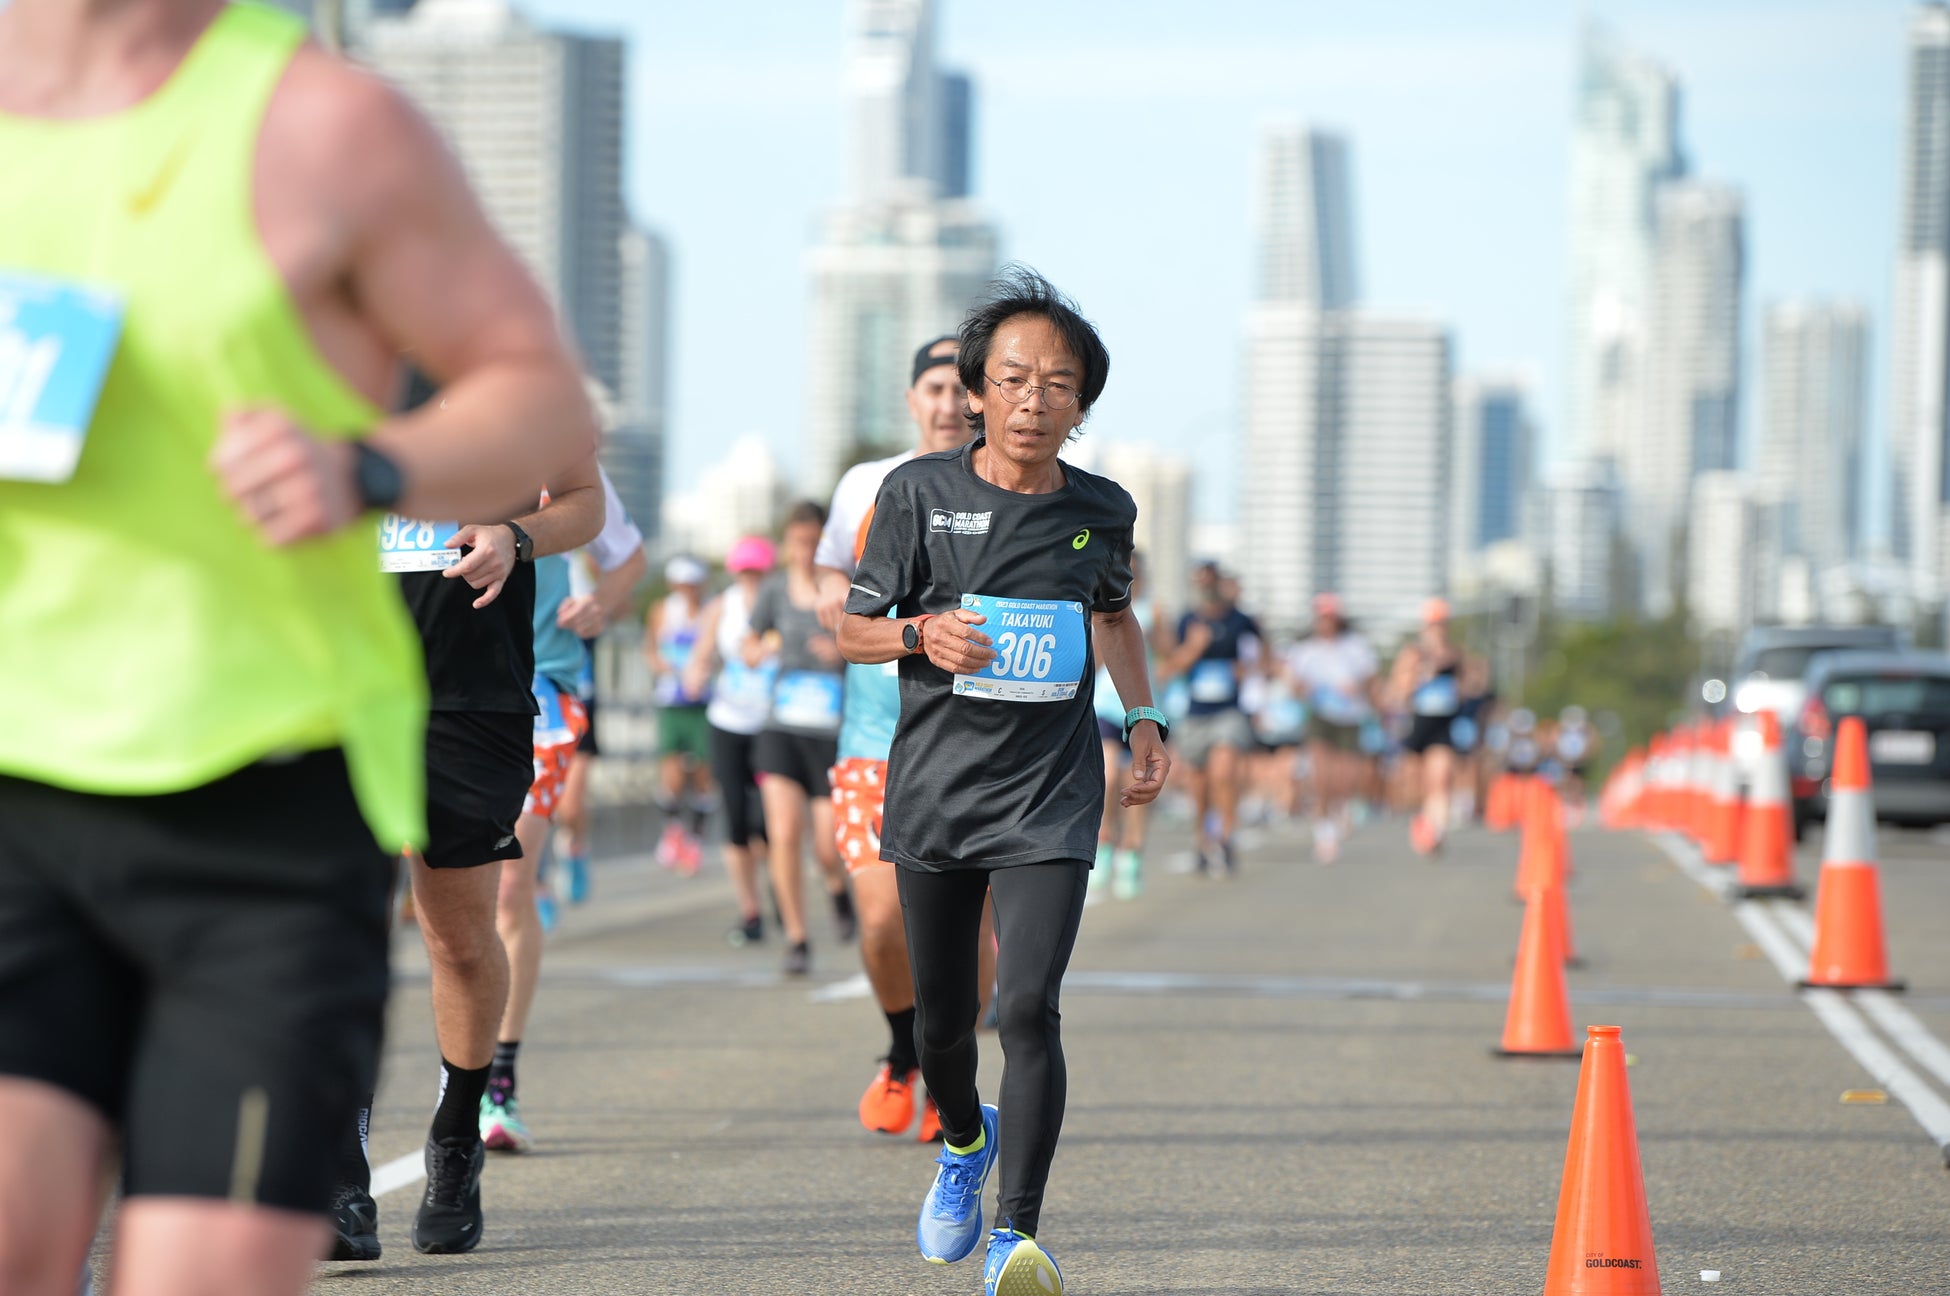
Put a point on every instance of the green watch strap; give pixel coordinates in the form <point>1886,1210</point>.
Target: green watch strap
<point>1152,714</point>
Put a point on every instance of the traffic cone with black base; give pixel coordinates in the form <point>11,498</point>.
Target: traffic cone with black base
<point>1848,952</point>
<point>1538,1021</point>
<point>1602,1244</point>
<point>1767,828</point>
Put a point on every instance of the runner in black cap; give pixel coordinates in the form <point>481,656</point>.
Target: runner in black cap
<point>1008,571</point>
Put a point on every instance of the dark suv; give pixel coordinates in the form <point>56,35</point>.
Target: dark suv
<point>1904,701</point>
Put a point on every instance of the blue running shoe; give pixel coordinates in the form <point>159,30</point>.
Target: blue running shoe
<point>951,1217</point>
<point>577,869</point>
<point>1018,1267</point>
<point>545,910</point>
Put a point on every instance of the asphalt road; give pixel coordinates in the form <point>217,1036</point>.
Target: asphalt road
<point>1280,1083</point>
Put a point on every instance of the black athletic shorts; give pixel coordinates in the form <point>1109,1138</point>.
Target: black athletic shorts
<point>207,969</point>
<point>1430,731</point>
<point>806,761</point>
<point>734,773</point>
<point>479,768</point>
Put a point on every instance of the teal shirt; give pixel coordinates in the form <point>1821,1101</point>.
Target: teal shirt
<point>560,657</point>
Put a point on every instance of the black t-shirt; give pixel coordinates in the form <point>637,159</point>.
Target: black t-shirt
<point>477,659</point>
<point>1213,681</point>
<point>1003,767</point>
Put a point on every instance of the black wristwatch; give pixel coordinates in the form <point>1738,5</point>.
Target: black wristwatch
<point>376,479</point>
<point>524,543</point>
<point>911,633</point>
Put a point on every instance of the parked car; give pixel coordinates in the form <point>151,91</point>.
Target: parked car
<point>1904,701</point>
<point>1768,675</point>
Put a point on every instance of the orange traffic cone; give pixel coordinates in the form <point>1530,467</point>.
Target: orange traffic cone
<point>1722,844</point>
<point>1500,809</point>
<point>1557,920</point>
<point>1540,860</point>
<point>1699,798</point>
<point>1538,1021</point>
<point>1602,1245</point>
<point>1848,952</point>
<point>1767,827</point>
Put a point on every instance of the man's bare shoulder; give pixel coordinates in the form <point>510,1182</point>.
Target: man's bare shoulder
<point>350,129</point>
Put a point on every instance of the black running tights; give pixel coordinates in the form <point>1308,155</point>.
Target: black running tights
<point>1037,909</point>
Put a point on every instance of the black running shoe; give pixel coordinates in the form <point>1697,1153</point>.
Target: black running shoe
<point>449,1221</point>
<point>846,923</point>
<point>749,931</point>
<point>355,1224</point>
<point>798,959</point>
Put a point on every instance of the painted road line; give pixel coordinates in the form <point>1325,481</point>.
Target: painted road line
<point>1897,1022</point>
<point>1902,1026</point>
<point>1842,1021</point>
<point>854,987</point>
<point>402,1173</point>
<point>1910,1089</point>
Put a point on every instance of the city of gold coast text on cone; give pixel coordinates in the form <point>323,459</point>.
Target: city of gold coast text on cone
<point>1602,1243</point>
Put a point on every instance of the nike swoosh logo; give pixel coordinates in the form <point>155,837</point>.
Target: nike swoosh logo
<point>143,200</point>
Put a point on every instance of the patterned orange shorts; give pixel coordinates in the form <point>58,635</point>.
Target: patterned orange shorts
<point>557,731</point>
<point>859,787</point>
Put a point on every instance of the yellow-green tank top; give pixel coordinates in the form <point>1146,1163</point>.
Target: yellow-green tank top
<point>149,641</point>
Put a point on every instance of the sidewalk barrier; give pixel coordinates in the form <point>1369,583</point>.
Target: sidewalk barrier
<point>1722,845</point>
<point>1602,1243</point>
<point>1767,828</point>
<point>1848,952</point>
<point>1538,1021</point>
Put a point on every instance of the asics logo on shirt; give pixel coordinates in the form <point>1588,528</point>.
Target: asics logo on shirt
<point>1083,538</point>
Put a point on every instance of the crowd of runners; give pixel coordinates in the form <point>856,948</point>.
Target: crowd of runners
<point>254,722</point>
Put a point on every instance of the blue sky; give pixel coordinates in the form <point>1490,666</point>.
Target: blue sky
<point>1114,148</point>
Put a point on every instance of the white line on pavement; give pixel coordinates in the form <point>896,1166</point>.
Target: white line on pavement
<point>854,987</point>
<point>1769,924</point>
<point>402,1173</point>
<point>1902,1026</point>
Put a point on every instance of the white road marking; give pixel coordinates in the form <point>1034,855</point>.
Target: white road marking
<point>854,987</point>
<point>402,1173</point>
<point>1770,923</point>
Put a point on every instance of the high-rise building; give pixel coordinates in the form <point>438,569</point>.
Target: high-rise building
<point>1814,365</point>
<point>1723,582</point>
<point>1572,521</point>
<point>1625,145</point>
<point>633,451</point>
<point>1920,326</point>
<point>1161,485</point>
<point>901,262</point>
<point>536,118</point>
<point>1348,455</point>
<point>1692,374</point>
<point>1305,219</point>
<point>1495,437</point>
<point>742,494</point>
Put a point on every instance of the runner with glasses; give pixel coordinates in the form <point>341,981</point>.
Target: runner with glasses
<point>1008,572</point>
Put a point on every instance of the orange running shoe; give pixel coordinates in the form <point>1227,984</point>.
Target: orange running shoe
<point>1422,836</point>
<point>930,1123</point>
<point>887,1107</point>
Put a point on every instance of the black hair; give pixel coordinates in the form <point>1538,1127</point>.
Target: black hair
<point>1019,290</point>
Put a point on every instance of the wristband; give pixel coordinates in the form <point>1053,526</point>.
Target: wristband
<point>1152,714</point>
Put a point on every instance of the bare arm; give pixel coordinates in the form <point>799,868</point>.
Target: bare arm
<point>398,260</point>
<point>572,517</point>
<point>616,588</point>
<point>834,585</point>
<point>1120,647</point>
<point>950,640</point>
